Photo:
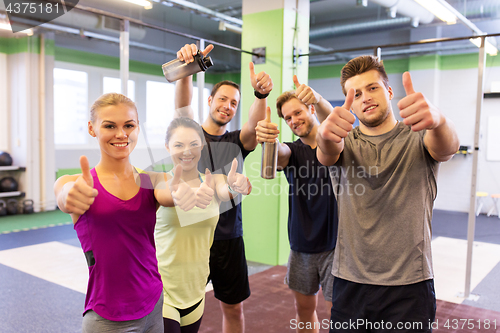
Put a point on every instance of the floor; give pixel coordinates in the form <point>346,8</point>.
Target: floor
<point>43,275</point>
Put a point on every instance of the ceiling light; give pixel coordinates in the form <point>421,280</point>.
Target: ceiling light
<point>439,10</point>
<point>223,26</point>
<point>489,48</point>
<point>144,3</point>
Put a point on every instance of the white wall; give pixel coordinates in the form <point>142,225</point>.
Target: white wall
<point>454,93</point>
<point>4,116</point>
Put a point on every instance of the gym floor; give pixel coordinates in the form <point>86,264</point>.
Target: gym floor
<point>44,274</point>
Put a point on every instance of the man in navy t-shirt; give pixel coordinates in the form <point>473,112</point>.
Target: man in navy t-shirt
<point>228,267</point>
<point>312,218</point>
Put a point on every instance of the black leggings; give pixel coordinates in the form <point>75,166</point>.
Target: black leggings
<point>173,326</point>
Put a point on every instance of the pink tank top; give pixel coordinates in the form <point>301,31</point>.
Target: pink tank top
<point>117,237</point>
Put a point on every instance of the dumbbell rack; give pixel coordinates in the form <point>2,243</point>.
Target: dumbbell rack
<point>14,193</point>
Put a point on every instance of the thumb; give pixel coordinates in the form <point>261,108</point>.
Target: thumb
<point>84,165</point>
<point>349,99</point>
<point>232,173</point>
<point>207,50</point>
<point>407,84</point>
<point>268,114</point>
<point>208,178</point>
<point>177,178</point>
<point>252,70</point>
<point>296,81</point>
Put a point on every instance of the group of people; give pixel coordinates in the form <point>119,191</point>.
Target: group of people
<point>153,240</point>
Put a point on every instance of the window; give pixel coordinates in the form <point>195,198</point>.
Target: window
<point>70,106</point>
<point>113,84</point>
<point>159,110</point>
<point>194,104</point>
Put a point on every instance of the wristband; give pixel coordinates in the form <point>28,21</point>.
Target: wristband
<point>233,192</point>
<point>259,95</point>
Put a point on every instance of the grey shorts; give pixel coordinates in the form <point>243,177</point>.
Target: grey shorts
<point>152,323</point>
<point>308,271</point>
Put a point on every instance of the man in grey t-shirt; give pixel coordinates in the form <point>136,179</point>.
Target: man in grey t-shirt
<point>385,180</point>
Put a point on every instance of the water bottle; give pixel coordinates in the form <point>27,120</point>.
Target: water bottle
<point>177,69</point>
<point>269,161</point>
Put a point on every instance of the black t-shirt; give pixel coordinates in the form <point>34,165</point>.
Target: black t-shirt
<point>217,155</point>
<point>312,217</point>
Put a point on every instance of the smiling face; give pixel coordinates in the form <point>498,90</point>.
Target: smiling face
<point>298,117</point>
<point>371,103</point>
<point>185,146</point>
<point>223,104</point>
<point>116,128</point>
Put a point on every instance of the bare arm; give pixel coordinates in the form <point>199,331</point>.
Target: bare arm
<point>75,193</point>
<point>184,86</point>
<point>309,96</point>
<point>333,130</point>
<point>263,84</point>
<point>440,139</point>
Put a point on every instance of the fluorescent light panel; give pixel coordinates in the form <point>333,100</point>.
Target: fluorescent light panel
<point>144,3</point>
<point>438,10</point>
<point>489,48</point>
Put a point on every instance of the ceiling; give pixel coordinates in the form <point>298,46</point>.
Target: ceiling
<point>334,25</point>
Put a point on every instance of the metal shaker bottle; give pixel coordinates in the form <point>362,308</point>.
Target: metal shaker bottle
<point>177,69</point>
<point>269,161</point>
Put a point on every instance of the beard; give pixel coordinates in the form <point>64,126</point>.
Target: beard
<point>377,120</point>
<point>217,121</point>
<point>307,131</point>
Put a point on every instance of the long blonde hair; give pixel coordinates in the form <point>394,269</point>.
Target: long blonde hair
<point>110,99</point>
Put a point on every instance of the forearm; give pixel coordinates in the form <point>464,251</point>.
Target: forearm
<point>222,190</point>
<point>183,97</point>
<point>328,151</point>
<point>284,153</point>
<point>442,141</point>
<point>323,109</point>
<point>257,113</point>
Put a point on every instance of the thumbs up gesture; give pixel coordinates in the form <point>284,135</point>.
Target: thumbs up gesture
<point>237,181</point>
<point>262,82</point>
<point>265,130</point>
<point>183,195</point>
<point>80,194</point>
<point>205,193</point>
<point>416,110</point>
<point>305,94</point>
<point>339,123</point>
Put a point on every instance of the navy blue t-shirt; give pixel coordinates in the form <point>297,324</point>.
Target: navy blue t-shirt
<point>217,155</point>
<point>312,217</point>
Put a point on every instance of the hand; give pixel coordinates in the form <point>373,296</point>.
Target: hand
<point>79,195</point>
<point>261,82</point>
<point>265,130</point>
<point>339,123</point>
<point>188,51</point>
<point>183,195</point>
<point>305,94</point>
<point>415,110</point>
<point>237,181</point>
<point>205,193</point>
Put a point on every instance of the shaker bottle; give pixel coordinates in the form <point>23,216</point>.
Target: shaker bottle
<point>177,69</point>
<point>269,161</point>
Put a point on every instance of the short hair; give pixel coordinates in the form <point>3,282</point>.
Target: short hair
<point>283,98</point>
<point>184,122</point>
<point>110,99</point>
<point>224,83</point>
<point>360,65</point>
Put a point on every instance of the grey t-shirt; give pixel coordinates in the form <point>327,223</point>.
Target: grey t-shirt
<point>385,186</point>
